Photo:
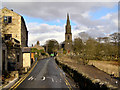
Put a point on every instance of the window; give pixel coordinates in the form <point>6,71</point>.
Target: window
<point>7,19</point>
<point>17,58</point>
<point>7,36</point>
<point>68,37</point>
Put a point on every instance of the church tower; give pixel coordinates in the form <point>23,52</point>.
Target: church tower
<point>68,36</point>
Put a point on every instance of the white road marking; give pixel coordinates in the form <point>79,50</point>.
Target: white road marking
<point>43,71</point>
<point>31,78</point>
<point>52,80</point>
<point>43,78</point>
<point>116,82</point>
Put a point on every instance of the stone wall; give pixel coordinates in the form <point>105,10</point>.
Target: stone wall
<point>23,33</point>
<point>4,57</point>
<point>14,59</point>
<point>19,63</point>
<point>83,82</point>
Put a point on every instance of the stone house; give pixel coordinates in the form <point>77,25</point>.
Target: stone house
<point>38,51</point>
<point>15,36</point>
<point>37,45</point>
<point>13,26</point>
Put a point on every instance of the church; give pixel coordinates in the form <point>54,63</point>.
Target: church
<point>68,36</point>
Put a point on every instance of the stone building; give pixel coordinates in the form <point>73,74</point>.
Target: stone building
<point>37,45</point>
<point>15,36</point>
<point>68,36</point>
<point>13,26</point>
<point>38,52</point>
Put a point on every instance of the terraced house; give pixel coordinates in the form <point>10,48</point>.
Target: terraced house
<point>14,37</point>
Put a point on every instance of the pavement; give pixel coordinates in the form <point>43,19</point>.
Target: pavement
<point>45,74</point>
<point>10,83</point>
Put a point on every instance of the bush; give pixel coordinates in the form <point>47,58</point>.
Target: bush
<point>64,52</point>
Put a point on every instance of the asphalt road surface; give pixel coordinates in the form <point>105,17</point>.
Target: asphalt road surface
<point>47,74</point>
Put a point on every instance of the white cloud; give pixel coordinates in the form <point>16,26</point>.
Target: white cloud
<point>107,16</point>
<point>115,21</point>
<point>86,14</point>
<point>52,11</point>
<point>43,32</point>
<point>79,14</point>
<point>60,1</point>
<point>43,28</point>
<point>102,28</point>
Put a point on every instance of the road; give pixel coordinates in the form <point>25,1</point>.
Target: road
<point>46,74</point>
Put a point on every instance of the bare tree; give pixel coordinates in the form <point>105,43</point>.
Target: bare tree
<point>114,38</point>
<point>84,36</point>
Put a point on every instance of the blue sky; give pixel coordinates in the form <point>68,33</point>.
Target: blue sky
<point>58,22</point>
<point>103,11</point>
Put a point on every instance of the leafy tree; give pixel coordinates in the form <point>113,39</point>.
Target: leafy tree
<point>77,45</point>
<point>42,52</point>
<point>106,50</point>
<point>52,46</point>
<point>100,49</point>
<point>90,49</point>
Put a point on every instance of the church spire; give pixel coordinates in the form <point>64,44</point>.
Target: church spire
<point>68,35</point>
<point>68,21</point>
<point>68,26</point>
